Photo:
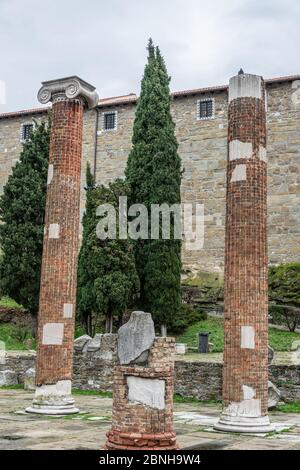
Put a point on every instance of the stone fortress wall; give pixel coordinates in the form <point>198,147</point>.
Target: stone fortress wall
<point>203,149</point>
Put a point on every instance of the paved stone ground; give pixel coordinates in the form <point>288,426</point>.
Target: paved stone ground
<point>193,424</point>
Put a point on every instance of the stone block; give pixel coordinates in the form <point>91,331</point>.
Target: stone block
<point>273,395</point>
<point>29,379</point>
<point>8,377</point>
<point>95,343</point>
<point>180,348</point>
<point>80,344</point>
<point>135,338</point>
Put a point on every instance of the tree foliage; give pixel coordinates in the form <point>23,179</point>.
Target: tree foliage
<point>108,283</point>
<point>284,294</point>
<point>22,208</point>
<point>154,175</point>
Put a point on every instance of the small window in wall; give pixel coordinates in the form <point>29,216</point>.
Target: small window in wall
<point>26,130</point>
<point>109,121</point>
<point>205,109</point>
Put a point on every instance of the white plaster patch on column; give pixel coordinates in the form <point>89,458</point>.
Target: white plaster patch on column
<point>247,337</point>
<point>239,173</point>
<point>149,392</point>
<point>45,229</point>
<point>239,149</point>
<point>50,173</point>
<point>262,153</point>
<point>53,333</point>
<point>54,231</point>
<point>245,86</point>
<point>250,408</point>
<point>62,388</point>
<point>68,310</point>
<point>248,392</point>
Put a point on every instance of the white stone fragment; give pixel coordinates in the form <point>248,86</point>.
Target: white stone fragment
<point>239,173</point>
<point>296,84</point>
<point>62,388</point>
<point>54,231</point>
<point>247,337</point>
<point>239,149</point>
<point>245,86</point>
<point>53,333</point>
<point>248,392</point>
<point>180,348</point>
<point>149,392</point>
<point>50,173</point>
<point>68,310</point>
<point>262,153</point>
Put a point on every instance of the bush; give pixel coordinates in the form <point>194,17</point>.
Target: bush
<point>284,294</point>
<point>186,316</point>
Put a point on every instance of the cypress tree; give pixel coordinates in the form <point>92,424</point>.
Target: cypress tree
<point>22,208</point>
<point>154,175</point>
<point>108,283</point>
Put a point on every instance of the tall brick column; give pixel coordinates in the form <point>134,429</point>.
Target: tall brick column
<point>143,389</point>
<point>245,374</point>
<point>56,317</point>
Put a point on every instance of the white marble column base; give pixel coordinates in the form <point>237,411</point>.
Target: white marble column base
<point>66,407</point>
<point>54,399</point>
<point>241,424</point>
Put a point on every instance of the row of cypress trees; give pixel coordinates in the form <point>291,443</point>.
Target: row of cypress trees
<point>113,275</point>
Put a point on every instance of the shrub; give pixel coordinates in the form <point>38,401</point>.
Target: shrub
<point>186,316</point>
<point>284,294</point>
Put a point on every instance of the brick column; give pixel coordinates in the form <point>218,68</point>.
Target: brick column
<point>143,397</point>
<point>245,373</point>
<point>56,317</point>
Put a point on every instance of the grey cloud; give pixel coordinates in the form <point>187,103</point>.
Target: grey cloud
<point>204,43</point>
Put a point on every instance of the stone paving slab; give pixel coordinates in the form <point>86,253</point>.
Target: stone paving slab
<point>193,424</point>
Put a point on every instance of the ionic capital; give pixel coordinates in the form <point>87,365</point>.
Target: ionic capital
<point>69,88</point>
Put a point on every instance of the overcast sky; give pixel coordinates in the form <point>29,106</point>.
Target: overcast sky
<point>203,42</point>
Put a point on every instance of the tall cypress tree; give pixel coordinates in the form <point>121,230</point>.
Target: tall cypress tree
<point>108,283</point>
<point>22,208</point>
<point>154,174</point>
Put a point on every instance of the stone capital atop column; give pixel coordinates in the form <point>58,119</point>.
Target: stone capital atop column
<point>68,88</point>
<point>245,85</point>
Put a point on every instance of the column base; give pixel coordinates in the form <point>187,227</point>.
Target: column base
<point>241,424</point>
<point>50,408</point>
<point>53,399</point>
<point>118,440</point>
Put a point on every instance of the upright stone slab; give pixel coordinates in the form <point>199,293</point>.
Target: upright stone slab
<point>60,247</point>
<point>135,338</point>
<point>245,373</point>
<point>143,390</point>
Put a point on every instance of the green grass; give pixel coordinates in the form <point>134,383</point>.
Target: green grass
<point>282,340</point>
<point>14,337</point>
<point>212,325</point>
<point>293,407</point>
<point>12,387</point>
<point>278,340</point>
<point>9,303</point>
<point>77,391</point>
<point>180,399</point>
